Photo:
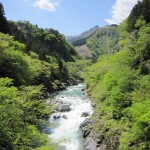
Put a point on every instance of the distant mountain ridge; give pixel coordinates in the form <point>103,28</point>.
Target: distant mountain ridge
<point>83,36</point>
<point>93,44</point>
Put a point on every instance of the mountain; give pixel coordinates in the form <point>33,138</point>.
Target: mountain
<point>103,41</point>
<point>119,85</point>
<point>42,41</point>
<point>81,39</point>
<point>84,51</point>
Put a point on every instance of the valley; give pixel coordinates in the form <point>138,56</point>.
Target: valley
<point>90,91</point>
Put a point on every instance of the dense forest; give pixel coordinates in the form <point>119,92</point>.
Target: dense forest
<point>32,61</point>
<point>119,85</point>
<point>104,41</point>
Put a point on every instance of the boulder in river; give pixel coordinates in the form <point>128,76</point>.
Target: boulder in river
<point>64,116</point>
<point>86,122</point>
<point>82,89</point>
<point>85,127</point>
<point>90,144</point>
<point>56,116</point>
<point>85,114</point>
<point>64,107</point>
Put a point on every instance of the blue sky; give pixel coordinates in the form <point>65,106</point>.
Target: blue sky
<point>69,17</point>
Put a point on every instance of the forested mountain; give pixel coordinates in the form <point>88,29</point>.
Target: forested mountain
<point>81,39</point>
<point>104,41</point>
<point>46,45</point>
<point>119,85</point>
<point>84,51</point>
<point>32,61</point>
<point>140,9</point>
<point>42,41</point>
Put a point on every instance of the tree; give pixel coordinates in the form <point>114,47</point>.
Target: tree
<point>140,9</point>
<point>3,21</point>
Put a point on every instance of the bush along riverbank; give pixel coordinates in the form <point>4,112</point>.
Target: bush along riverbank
<point>119,85</point>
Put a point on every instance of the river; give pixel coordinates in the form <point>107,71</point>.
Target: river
<point>65,132</point>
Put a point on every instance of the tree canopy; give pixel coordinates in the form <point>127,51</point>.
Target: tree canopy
<point>119,86</point>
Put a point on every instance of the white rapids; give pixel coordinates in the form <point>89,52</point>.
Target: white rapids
<point>65,132</point>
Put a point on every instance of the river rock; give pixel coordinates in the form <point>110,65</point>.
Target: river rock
<point>82,89</point>
<point>93,105</point>
<point>64,107</point>
<point>85,132</point>
<point>56,116</point>
<point>85,114</point>
<point>64,116</point>
<point>85,128</point>
<point>90,144</point>
<point>86,122</point>
<point>46,116</point>
<point>102,147</point>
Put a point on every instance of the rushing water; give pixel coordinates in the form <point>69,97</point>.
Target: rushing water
<point>66,132</point>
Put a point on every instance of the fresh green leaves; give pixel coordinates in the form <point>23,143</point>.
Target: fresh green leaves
<point>119,86</point>
<point>19,110</point>
<point>104,41</point>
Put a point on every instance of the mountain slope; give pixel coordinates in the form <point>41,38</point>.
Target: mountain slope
<point>119,86</point>
<point>81,39</point>
<point>84,51</point>
<point>42,41</point>
<point>104,41</point>
<point>33,61</point>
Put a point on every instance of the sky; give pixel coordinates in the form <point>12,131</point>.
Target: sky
<point>69,17</point>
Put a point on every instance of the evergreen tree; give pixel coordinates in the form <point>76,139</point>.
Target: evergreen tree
<point>140,9</point>
<point>3,21</point>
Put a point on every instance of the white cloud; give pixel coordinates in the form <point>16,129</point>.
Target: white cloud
<point>46,4</point>
<point>121,11</point>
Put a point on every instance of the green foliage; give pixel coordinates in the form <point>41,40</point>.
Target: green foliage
<point>119,86</point>
<point>16,130</point>
<point>123,34</point>
<point>12,61</point>
<point>42,41</point>
<point>140,22</point>
<point>44,148</point>
<point>32,104</point>
<point>140,9</point>
<point>143,49</point>
<point>26,71</point>
<point>104,41</point>
<point>79,42</point>
<point>76,68</point>
<point>139,113</point>
<point>54,64</point>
